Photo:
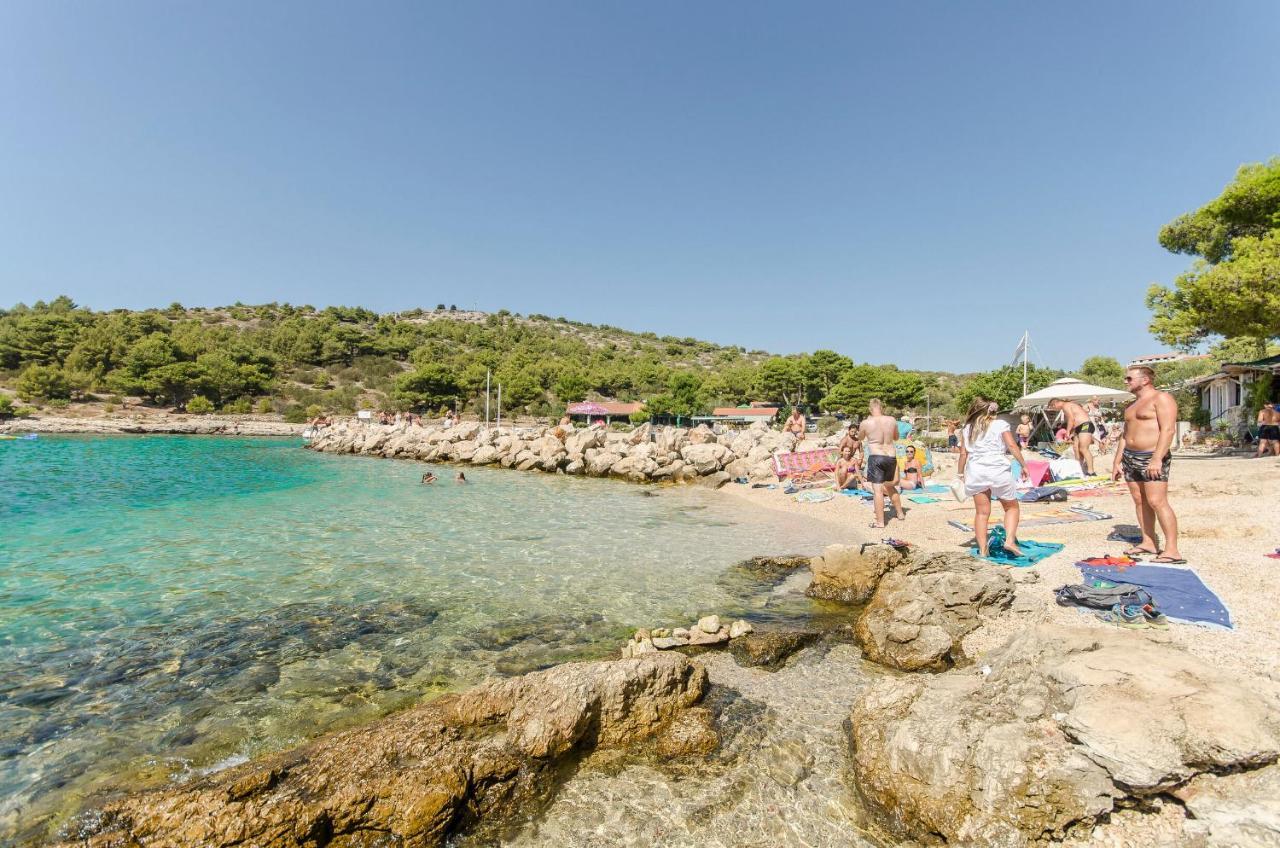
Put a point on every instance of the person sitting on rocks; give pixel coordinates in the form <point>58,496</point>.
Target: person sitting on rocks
<point>849,469</point>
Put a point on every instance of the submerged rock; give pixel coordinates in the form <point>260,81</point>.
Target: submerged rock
<point>419,776</point>
<point>1068,722</point>
<point>770,650</point>
<point>925,605</point>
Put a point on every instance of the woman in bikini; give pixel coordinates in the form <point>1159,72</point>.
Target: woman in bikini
<point>911,477</point>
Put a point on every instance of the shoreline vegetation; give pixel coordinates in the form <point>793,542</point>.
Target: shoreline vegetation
<point>1010,722</point>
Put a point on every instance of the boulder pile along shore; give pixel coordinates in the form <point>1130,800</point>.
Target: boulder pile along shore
<point>647,454</point>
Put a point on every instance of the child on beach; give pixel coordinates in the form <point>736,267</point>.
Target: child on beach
<point>1024,431</point>
<point>984,467</point>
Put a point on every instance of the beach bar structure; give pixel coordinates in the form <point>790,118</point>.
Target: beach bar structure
<point>608,410</point>
<point>738,415</point>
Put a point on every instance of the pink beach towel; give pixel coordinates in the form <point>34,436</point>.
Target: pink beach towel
<point>803,462</point>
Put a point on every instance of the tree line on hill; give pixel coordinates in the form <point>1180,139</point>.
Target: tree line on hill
<point>300,360</point>
<point>295,359</point>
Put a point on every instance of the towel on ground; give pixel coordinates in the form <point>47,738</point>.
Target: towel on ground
<point>921,499</point>
<point>855,493</point>
<point>1032,552</point>
<point>1179,592</point>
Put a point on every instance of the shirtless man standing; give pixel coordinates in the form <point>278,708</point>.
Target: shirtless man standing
<point>1142,458</point>
<point>1080,429</point>
<point>1269,430</point>
<point>795,424</point>
<point>878,432</point>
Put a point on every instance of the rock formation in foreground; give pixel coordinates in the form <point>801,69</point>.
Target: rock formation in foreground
<point>1066,724</point>
<point>646,454</point>
<point>418,776</point>
<point>919,606</point>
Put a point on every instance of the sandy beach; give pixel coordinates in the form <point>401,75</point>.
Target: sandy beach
<point>1229,514</point>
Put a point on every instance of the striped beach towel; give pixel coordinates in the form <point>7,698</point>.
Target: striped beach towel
<point>805,462</point>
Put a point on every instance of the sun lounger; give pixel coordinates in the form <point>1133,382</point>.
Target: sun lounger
<point>805,464</point>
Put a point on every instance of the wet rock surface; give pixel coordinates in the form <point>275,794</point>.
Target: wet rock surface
<point>771,649</point>
<point>777,779</point>
<point>1068,724</point>
<point>850,574</point>
<point>419,776</point>
<point>924,606</point>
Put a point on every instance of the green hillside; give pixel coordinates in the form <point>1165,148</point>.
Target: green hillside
<point>295,359</point>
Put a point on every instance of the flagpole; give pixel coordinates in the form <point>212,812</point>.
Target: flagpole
<point>486,398</point>
<point>1026,341</point>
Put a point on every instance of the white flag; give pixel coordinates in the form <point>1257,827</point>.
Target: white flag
<point>1021,349</point>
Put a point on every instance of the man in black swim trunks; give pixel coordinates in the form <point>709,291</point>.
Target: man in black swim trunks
<point>1142,459</point>
<point>878,433</point>
<point>1081,430</point>
<point>1269,430</point>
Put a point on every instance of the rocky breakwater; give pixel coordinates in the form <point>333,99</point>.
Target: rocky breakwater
<point>646,454</point>
<point>195,425</point>
<point>1058,728</point>
<point>462,762</point>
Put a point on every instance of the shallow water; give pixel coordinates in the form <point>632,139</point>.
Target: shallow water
<point>173,603</point>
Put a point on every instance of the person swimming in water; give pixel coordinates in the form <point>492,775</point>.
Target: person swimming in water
<point>461,478</point>
<point>429,477</point>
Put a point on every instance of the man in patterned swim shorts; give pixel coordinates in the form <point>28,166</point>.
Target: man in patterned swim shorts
<point>1142,459</point>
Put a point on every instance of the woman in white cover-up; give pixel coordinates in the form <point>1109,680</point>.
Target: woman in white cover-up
<point>985,445</point>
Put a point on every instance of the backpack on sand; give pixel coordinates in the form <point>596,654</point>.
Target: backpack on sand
<point>1103,598</point>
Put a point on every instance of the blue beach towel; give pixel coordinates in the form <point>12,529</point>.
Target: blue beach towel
<point>936,490</point>
<point>1179,592</point>
<point>921,499</point>
<point>1032,552</point>
<point>855,493</point>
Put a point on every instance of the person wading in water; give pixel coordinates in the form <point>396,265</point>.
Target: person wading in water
<point>1142,459</point>
<point>878,432</point>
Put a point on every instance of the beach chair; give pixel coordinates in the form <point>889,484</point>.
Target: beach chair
<point>805,466</point>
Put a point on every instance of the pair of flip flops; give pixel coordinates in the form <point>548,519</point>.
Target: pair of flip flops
<point>1156,557</point>
<point>1134,617</point>
<point>1275,555</point>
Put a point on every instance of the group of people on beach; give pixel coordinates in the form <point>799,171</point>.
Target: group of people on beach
<point>985,443</point>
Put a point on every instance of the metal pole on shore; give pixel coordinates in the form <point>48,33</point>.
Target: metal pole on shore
<point>499,407</point>
<point>486,398</point>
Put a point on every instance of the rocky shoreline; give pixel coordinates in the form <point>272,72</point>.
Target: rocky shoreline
<point>170,424</point>
<point>1039,740</point>
<point>646,454</point>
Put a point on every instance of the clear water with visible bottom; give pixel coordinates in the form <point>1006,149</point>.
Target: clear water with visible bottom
<point>170,604</point>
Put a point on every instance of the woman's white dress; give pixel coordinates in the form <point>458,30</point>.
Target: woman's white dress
<point>987,469</point>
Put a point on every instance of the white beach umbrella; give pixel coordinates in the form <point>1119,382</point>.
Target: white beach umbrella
<point>1069,388</point>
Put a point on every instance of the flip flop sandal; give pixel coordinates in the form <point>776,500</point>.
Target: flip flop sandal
<point>1155,618</point>
<point>1164,560</point>
<point>1137,552</point>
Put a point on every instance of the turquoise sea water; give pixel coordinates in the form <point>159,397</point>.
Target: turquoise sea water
<point>170,604</point>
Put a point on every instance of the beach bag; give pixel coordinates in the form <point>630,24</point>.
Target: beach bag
<point>1044,494</point>
<point>1103,597</point>
<point>957,489</point>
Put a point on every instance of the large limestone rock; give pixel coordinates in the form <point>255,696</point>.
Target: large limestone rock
<point>701,435</point>
<point>770,650</point>
<point>599,463</point>
<point>923,608</point>
<point>419,776</point>
<point>850,574</point>
<point>485,455</point>
<point>1233,810</point>
<point>705,457</point>
<point>1067,722</point>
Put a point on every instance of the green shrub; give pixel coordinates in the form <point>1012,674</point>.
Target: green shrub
<point>108,408</point>
<point>199,405</point>
<point>315,410</point>
<point>23,411</point>
<point>43,382</point>
<point>639,417</point>
<point>828,425</point>
<point>295,414</point>
<point>265,407</point>
<point>239,406</point>
<point>6,405</point>
<point>59,403</point>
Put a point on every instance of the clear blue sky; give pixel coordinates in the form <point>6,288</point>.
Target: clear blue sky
<point>906,182</point>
